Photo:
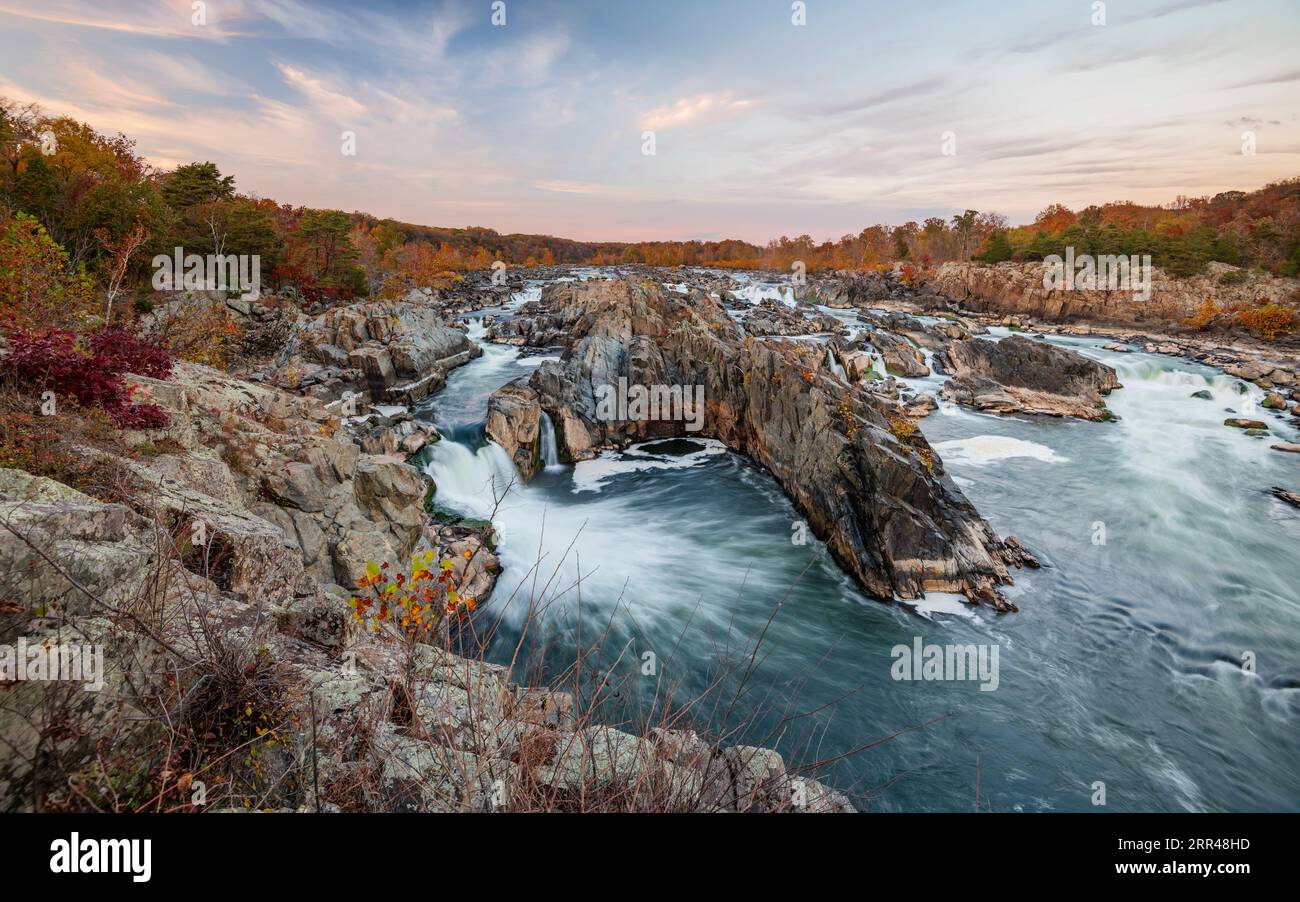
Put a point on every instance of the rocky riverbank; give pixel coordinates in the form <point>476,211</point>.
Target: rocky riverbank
<point>215,575</point>
<point>1011,295</point>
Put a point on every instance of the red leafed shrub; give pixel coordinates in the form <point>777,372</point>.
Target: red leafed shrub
<point>124,351</point>
<point>51,360</point>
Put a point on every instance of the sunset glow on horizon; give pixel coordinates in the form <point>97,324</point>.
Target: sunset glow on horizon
<point>761,127</point>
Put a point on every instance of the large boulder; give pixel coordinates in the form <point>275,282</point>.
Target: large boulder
<point>513,422</point>
<point>900,356</point>
<point>390,351</point>
<point>64,552</point>
<point>1018,375</point>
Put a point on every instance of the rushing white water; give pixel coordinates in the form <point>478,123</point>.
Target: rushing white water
<point>546,441</point>
<point>1165,560</point>
<point>834,366</point>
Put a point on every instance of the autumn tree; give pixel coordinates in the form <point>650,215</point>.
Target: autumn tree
<point>321,245</point>
<point>119,250</point>
<point>103,188</point>
<point>1054,218</point>
<point>39,285</point>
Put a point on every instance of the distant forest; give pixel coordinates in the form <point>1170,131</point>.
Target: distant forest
<point>87,202</point>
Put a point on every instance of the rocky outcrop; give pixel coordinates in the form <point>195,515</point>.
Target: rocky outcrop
<point>1018,288</point>
<point>363,722</point>
<point>772,318</point>
<point>387,351</point>
<point>514,422</point>
<point>901,358</point>
<point>533,325</point>
<point>102,547</point>
<point>1017,375</point>
<point>867,481</point>
<point>851,288</point>
<point>276,481</point>
<point>393,431</point>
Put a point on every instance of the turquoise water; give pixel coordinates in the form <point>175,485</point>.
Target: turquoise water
<point>1124,665</point>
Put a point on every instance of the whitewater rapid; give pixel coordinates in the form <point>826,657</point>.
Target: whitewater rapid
<point>1165,559</point>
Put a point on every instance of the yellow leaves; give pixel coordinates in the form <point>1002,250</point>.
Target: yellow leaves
<point>416,602</point>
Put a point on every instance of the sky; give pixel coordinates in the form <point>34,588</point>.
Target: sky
<point>867,112</point>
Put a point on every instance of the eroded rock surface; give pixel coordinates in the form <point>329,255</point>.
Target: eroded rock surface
<point>1017,375</point>
<point>388,351</point>
<point>867,481</point>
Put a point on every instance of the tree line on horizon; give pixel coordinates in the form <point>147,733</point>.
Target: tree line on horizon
<point>89,203</point>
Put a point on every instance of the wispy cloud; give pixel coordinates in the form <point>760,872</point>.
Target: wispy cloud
<point>763,127</point>
<point>701,108</point>
<point>148,18</point>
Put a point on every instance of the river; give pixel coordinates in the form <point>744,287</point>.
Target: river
<point>1156,652</point>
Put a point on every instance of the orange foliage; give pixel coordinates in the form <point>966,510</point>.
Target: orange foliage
<point>1204,315</point>
<point>1269,321</point>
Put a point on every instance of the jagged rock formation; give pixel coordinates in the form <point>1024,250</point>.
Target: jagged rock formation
<point>871,486</point>
<point>1018,288</point>
<point>277,480</point>
<point>387,351</point>
<point>848,288</point>
<point>900,357</point>
<point>529,326</point>
<point>514,421</point>
<point>1017,375</point>
<point>772,318</point>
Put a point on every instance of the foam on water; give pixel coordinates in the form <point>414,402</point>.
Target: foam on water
<point>1122,660</point>
<point>591,475</point>
<point>941,603</point>
<point>981,450</point>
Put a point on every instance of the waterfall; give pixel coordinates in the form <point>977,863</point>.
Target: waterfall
<point>470,482</point>
<point>834,365</point>
<point>547,438</point>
